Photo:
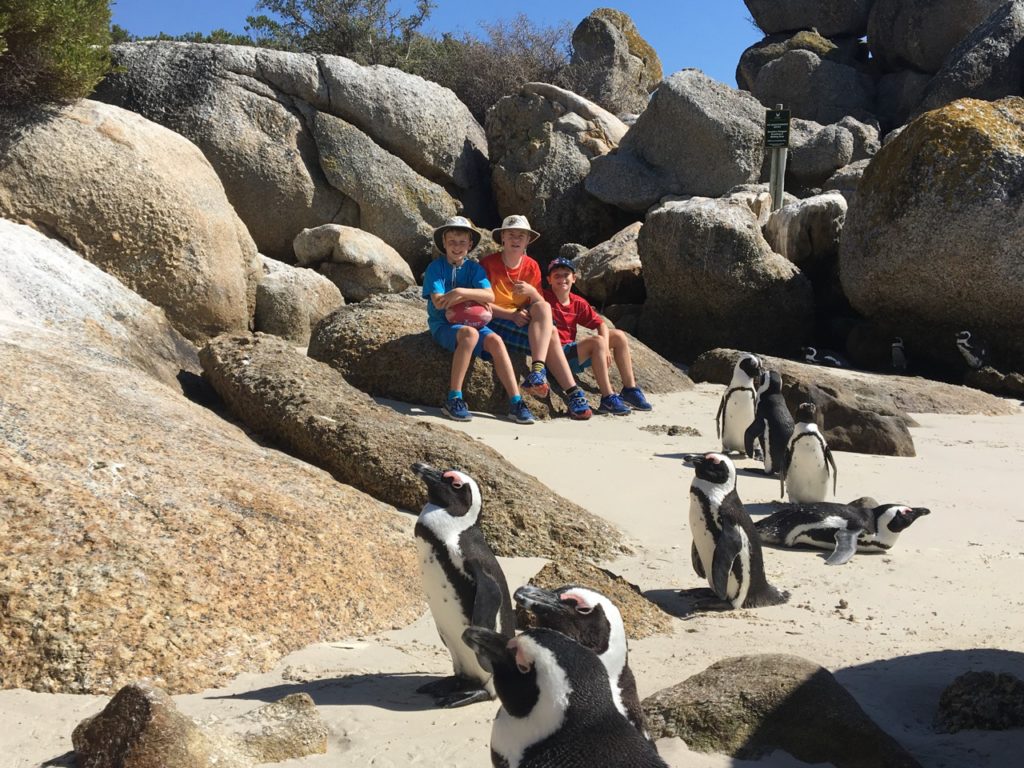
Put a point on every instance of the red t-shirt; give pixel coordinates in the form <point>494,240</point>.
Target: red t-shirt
<point>578,312</point>
<point>502,278</point>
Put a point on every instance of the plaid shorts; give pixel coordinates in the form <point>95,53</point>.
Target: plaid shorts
<point>515,338</point>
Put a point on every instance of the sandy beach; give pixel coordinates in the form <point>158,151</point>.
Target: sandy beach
<point>894,628</point>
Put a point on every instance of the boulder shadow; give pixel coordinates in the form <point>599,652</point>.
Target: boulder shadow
<point>394,691</point>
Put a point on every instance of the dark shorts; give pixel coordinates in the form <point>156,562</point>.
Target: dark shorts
<point>573,358</point>
<point>515,338</point>
<point>447,336</point>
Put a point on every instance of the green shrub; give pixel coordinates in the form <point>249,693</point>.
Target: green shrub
<point>52,50</point>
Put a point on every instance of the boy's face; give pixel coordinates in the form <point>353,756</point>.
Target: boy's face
<point>561,279</point>
<point>457,244</point>
<point>515,238</point>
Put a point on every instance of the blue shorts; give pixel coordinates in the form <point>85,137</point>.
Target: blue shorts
<point>447,336</point>
<point>573,358</point>
<point>516,338</point>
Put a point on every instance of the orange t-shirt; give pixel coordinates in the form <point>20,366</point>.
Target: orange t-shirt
<point>502,277</point>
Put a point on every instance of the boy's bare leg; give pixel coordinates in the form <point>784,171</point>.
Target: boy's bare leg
<point>619,345</point>
<point>557,365</point>
<point>502,363</point>
<point>540,329</point>
<point>465,342</point>
<point>596,349</point>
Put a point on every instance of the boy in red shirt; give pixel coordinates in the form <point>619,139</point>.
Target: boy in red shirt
<point>568,311</point>
<point>521,316</point>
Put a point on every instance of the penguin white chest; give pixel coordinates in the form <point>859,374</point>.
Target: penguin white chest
<point>739,414</point>
<point>808,475</point>
<point>703,536</point>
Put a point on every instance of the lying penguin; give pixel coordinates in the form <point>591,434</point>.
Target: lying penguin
<point>844,528</point>
<point>593,621</point>
<point>463,582</point>
<point>557,709</point>
<point>825,357</point>
<point>726,547</point>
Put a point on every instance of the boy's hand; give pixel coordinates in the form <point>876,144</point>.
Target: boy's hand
<point>523,288</point>
<point>521,317</point>
<point>450,299</point>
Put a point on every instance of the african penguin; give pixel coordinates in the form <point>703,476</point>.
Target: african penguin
<point>593,621</point>
<point>817,356</point>
<point>972,349</point>
<point>899,355</point>
<point>736,409</point>
<point>843,528</point>
<point>772,426</point>
<point>556,709</point>
<point>463,582</point>
<point>804,472</point>
<point>726,547</point>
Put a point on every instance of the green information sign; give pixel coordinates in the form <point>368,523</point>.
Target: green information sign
<point>776,127</point>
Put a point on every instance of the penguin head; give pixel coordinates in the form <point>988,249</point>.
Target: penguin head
<point>452,490</point>
<point>807,413</point>
<point>750,365</point>
<point>897,517</point>
<point>771,383</point>
<point>588,617</point>
<point>897,342</point>
<point>715,468</point>
<point>963,337</point>
<point>810,354</point>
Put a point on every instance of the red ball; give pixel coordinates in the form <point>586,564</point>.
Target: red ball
<point>469,313</point>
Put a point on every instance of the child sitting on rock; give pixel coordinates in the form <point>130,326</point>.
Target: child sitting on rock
<point>521,316</point>
<point>449,282</point>
<point>570,311</point>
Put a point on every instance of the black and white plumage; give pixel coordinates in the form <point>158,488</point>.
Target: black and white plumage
<point>844,528</point>
<point>556,705</point>
<point>899,355</point>
<point>736,409</point>
<point>726,547</point>
<point>972,349</point>
<point>593,621</point>
<point>772,426</point>
<point>804,474</point>
<point>463,582</point>
<point>816,356</point>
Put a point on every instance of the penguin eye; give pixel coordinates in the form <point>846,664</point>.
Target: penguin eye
<point>455,478</point>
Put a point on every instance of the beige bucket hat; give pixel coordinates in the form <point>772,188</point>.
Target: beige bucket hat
<point>515,221</point>
<point>456,222</point>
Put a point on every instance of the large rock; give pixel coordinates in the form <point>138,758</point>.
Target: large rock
<point>542,150</point>
<point>696,137</point>
<point>933,244</point>
<point>312,410</point>
<point>831,18</point>
<point>987,64</point>
<point>807,232</point>
<point>749,706</point>
<point>817,89</point>
<point>249,110</point>
<point>145,535</point>
<point>899,94</point>
<point>370,341</point>
<point>618,67</point>
<point>143,204</point>
<point>359,263</point>
<point>816,152</point>
<point>708,270</point>
<point>850,52</point>
<point>290,301</point>
<point>611,272</point>
<point>917,34</point>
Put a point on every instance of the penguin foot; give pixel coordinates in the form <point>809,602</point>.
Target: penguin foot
<point>463,698</point>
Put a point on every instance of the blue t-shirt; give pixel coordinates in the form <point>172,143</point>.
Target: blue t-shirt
<point>441,277</point>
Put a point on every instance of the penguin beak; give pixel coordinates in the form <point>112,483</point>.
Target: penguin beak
<point>426,472</point>
<point>490,648</point>
<point>540,601</point>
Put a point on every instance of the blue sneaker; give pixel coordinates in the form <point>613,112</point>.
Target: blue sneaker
<point>456,409</point>
<point>635,397</point>
<point>613,404</point>
<point>579,408</point>
<point>520,413</point>
<point>535,383</point>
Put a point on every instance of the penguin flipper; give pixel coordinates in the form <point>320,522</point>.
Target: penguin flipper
<point>463,698</point>
<point>698,566</point>
<point>727,548</point>
<point>835,472</point>
<point>719,416</point>
<point>846,547</point>
<point>754,431</point>
<point>488,599</point>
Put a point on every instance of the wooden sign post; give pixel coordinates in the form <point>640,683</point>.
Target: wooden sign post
<point>776,138</point>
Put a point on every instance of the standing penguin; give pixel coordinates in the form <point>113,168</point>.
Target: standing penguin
<point>736,410</point>
<point>463,582</point>
<point>899,355</point>
<point>593,621</point>
<point>844,528</point>
<point>556,705</point>
<point>972,349</point>
<point>772,426</point>
<point>726,547</point>
<point>805,468</point>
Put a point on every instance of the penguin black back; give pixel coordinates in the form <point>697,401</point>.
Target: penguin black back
<point>772,426</point>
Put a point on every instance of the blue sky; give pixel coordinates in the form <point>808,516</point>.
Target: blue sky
<point>707,34</point>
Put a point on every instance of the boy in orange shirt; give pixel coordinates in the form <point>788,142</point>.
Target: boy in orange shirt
<point>523,318</point>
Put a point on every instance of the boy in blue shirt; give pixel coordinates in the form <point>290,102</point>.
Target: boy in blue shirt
<point>448,282</point>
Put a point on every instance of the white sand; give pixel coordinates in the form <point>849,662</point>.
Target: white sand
<point>946,600</point>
